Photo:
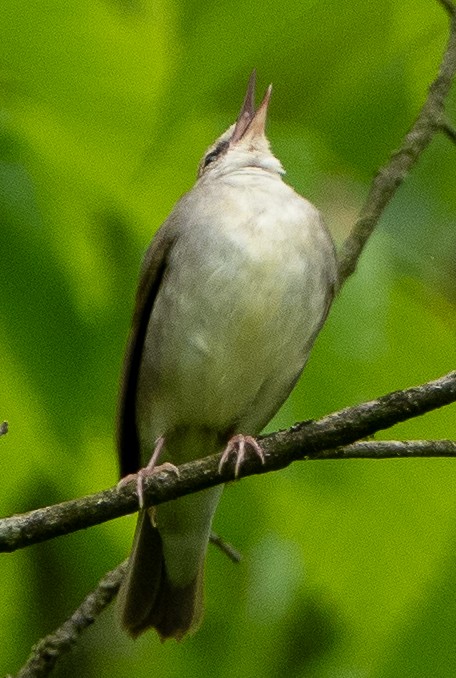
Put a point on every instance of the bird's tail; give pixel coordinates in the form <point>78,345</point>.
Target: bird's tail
<point>147,598</point>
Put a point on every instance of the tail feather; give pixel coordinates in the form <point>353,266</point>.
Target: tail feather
<point>148,599</point>
<point>177,611</point>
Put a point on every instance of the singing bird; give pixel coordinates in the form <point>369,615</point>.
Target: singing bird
<point>233,291</point>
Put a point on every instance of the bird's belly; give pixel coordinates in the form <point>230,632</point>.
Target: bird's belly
<point>234,326</point>
<point>223,370</point>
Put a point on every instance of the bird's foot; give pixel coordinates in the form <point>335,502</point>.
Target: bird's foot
<point>237,445</point>
<point>150,470</point>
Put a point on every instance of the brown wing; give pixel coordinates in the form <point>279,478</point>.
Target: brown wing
<point>153,269</point>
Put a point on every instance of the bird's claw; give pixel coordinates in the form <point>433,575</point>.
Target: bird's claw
<point>150,470</point>
<point>147,472</point>
<point>144,473</point>
<point>237,445</point>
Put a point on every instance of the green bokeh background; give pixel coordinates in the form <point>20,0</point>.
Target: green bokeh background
<point>106,107</point>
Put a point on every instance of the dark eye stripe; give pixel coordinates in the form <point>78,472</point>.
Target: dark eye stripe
<point>213,155</point>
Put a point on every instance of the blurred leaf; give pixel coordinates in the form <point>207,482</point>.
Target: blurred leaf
<point>430,625</point>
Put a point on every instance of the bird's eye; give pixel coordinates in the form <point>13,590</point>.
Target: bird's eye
<point>210,157</point>
<point>221,147</point>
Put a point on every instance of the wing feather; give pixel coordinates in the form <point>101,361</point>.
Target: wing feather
<point>152,272</point>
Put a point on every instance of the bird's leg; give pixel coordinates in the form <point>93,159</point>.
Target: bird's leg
<point>149,470</point>
<point>237,445</point>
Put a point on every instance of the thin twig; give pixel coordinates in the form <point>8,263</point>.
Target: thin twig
<point>48,651</point>
<point>390,177</point>
<point>226,548</point>
<point>394,449</point>
<point>308,440</point>
<point>448,130</point>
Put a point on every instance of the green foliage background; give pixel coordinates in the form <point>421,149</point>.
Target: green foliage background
<point>106,108</point>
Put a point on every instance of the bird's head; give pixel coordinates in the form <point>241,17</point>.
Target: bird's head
<point>244,145</point>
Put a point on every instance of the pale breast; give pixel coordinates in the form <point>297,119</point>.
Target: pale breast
<point>245,290</point>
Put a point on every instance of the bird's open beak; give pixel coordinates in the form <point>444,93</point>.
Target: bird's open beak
<point>251,122</point>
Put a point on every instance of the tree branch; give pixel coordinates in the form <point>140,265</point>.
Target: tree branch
<point>305,441</point>
<point>448,129</point>
<point>390,177</point>
<point>48,651</point>
<point>394,449</point>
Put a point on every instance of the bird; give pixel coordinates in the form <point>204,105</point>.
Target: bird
<point>233,290</point>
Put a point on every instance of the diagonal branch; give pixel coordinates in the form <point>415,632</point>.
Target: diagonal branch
<point>48,651</point>
<point>390,177</point>
<point>304,441</point>
<point>448,129</point>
